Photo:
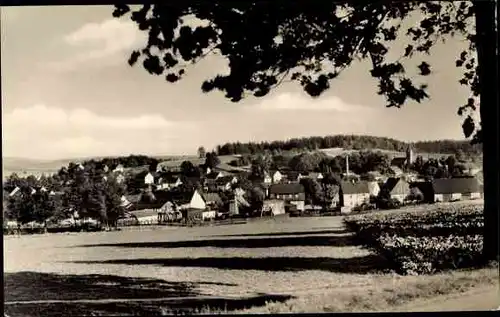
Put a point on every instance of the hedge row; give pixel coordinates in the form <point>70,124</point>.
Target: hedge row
<point>424,242</point>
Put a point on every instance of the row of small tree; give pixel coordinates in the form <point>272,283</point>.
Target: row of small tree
<point>84,192</point>
<point>355,142</point>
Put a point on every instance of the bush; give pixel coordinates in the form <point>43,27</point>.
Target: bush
<point>424,242</point>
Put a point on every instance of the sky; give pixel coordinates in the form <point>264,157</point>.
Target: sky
<point>67,91</point>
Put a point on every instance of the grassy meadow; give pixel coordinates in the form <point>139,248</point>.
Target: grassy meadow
<point>269,265</point>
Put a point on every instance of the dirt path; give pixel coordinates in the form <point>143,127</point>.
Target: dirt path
<point>118,300</point>
<point>484,298</point>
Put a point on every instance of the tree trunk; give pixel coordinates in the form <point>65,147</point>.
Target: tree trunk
<point>488,78</point>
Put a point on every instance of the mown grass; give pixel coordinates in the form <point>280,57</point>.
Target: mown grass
<point>386,294</point>
<point>312,277</point>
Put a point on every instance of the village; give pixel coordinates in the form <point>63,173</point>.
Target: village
<point>171,195</point>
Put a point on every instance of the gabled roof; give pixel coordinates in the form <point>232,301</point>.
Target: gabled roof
<point>180,197</point>
<point>283,189</point>
<point>143,213</point>
<point>291,174</point>
<point>224,180</point>
<point>167,178</point>
<point>456,185</point>
<point>133,198</point>
<point>354,188</point>
<point>212,197</point>
<point>396,170</point>
<point>395,184</point>
<point>212,175</point>
<point>159,198</point>
<point>398,161</point>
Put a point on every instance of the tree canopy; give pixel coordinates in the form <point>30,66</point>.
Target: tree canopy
<point>310,43</point>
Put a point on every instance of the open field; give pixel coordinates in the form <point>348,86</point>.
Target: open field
<point>285,264</point>
<point>391,154</point>
<point>25,167</point>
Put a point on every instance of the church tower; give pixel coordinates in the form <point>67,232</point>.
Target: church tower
<point>409,156</point>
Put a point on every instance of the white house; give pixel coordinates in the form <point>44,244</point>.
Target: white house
<point>398,188</point>
<point>208,214</point>
<point>120,178</point>
<point>291,193</point>
<point>452,189</point>
<point>267,178</point>
<point>119,169</point>
<point>274,206</point>
<point>354,193</point>
<point>15,191</point>
<point>149,179</point>
<point>373,188</point>
<point>277,177</point>
<point>146,216</point>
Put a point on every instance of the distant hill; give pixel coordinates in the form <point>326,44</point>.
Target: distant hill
<point>354,142</point>
<point>25,167</point>
<point>340,151</point>
<point>331,145</point>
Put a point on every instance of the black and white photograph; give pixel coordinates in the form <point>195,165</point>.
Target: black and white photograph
<point>250,157</point>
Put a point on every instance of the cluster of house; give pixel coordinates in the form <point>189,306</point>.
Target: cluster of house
<point>163,199</point>
<point>283,193</point>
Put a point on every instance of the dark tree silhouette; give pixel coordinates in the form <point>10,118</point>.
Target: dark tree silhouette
<point>201,152</point>
<point>266,42</point>
<point>211,160</point>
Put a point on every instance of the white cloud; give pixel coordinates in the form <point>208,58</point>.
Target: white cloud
<point>291,101</point>
<point>48,132</point>
<point>105,42</point>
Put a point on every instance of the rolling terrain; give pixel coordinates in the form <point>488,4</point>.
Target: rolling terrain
<point>25,167</point>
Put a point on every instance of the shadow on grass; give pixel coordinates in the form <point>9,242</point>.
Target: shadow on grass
<point>106,294</point>
<point>357,265</point>
<point>421,231</point>
<point>306,241</point>
<point>294,233</point>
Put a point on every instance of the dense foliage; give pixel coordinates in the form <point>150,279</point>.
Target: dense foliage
<point>356,142</point>
<point>425,241</point>
<point>267,42</point>
<point>82,189</point>
<point>128,161</point>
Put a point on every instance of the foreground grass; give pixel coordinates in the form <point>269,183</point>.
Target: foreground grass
<point>386,293</point>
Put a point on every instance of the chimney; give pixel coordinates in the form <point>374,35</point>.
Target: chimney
<point>347,165</point>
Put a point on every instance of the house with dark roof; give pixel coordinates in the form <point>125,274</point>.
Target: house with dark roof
<point>292,193</point>
<point>399,162</point>
<point>191,199</point>
<point>212,200</point>
<point>353,194</point>
<point>213,175</point>
<point>225,183</point>
<point>453,189</point>
<point>398,188</point>
<point>167,180</point>
<point>292,176</point>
